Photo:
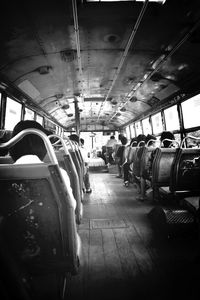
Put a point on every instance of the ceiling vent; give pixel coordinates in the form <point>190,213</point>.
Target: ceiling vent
<point>133,99</point>
<point>65,106</point>
<point>43,70</point>
<point>68,55</point>
<point>59,96</point>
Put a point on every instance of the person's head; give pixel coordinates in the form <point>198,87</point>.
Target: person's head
<point>150,137</point>
<point>31,144</point>
<point>141,138</point>
<point>166,135</point>
<point>82,141</point>
<point>124,140</point>
<point>74,137</point>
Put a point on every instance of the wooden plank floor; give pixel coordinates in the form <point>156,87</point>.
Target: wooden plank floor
<point>122,258</point>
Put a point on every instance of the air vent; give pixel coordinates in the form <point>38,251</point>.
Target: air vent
<point>59,96</point>
<point>65,106</point>
<point>43,70</point>
<point>133,99</point>
<point>68,55</point>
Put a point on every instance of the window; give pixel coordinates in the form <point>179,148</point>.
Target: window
<point>128,134</point>
<point>157,123</point>
<point>138,128</point>
<point>146,126</point>
<point>171,118</point>
<point>39,119</point>
<point>13,113</point>
<point>29,114</point>
<point>132,130</point>
<point>191,112</point>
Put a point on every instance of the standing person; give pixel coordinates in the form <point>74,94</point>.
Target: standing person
<point>110,146</point>
<point>86,177</point>
<point>119,156</point>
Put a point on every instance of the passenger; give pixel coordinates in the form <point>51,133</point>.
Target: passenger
<point>119,156</point>
<point>31,150</point>
<point>110,146</point>
<point>167,135</point>
<point>126,166</point>
<point>86,177</point>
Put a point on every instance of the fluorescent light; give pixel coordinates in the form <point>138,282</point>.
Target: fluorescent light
<point>27,87</point>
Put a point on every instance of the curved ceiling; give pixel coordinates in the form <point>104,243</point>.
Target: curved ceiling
<point>116,60</point>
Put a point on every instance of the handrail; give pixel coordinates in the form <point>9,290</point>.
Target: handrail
<point>151,140</point>
<point>134,143</point>
<point>38,132</point>
<point>138,145</point>
<point>187,137</point>
<point>60,139</point>
<point>169,140</point>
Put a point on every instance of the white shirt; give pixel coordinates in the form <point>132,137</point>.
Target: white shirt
<point>34,159</point>
<point>111,143</point>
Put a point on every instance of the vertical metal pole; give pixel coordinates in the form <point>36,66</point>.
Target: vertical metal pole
<point>77,117</point>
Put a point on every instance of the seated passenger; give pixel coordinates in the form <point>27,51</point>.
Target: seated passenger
<point>166,135</point>
<point>31,150</point>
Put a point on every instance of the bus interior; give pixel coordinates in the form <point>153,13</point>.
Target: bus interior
<point>100,69</point>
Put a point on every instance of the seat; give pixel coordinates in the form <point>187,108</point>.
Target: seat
<point>66,162</point>
<point>161,172</point>
<point>37,220</point>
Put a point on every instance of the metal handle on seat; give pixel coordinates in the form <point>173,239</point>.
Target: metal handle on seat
<point>172,142</point>
<point>60,139</point>
<point>38,132</point>
<point>187,137</point>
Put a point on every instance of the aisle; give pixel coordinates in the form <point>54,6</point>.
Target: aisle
<point>120,257</point>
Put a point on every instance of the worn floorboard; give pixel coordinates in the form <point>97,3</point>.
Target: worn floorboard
<point>122,257</point>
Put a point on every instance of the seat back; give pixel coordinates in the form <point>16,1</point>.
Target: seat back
<point>131,155</point>
<point>146,162</point>
<point>65,161</point>
<point>78,166</point>
<point>137,161</point>
<point>38,220</point>
<point>162,165</point>
<point>6,160</point>
<point>185,174</point>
